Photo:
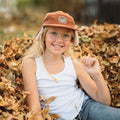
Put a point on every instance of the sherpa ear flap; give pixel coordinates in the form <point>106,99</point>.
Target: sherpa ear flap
<point>39,34</point>
<point>76,42</point>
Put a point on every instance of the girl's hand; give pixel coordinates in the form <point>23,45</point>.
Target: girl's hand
<point>91,65</point>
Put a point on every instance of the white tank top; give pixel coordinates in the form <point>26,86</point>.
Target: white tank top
<point>67,93</point>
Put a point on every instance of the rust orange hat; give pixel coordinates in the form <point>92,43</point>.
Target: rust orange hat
<point>59,19</point>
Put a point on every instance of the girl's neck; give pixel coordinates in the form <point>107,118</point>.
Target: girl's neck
<point>52,59</point>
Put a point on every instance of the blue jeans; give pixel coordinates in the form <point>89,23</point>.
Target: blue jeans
<point>92,110</point>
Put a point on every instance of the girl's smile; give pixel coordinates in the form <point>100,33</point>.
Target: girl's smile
<point>57,46</point>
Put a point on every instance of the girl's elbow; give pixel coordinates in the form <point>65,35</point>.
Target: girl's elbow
<point>107,102</point>
<point>104,101</point>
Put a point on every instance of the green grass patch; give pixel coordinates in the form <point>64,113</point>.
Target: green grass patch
<point>6,36</point>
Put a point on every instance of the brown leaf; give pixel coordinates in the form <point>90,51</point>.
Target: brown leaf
<point>118,105</point>
<point>50,100</point>
<point>43,98</point>
<point>46,114</point>
<point>2,86</point>
<point>4,103</point>
<point>14,46</point>
<point>109,27</point>
<point>54,116</point>
<point>7,116</point>
<point>25,94</point>
<point>114,59</point>
<point>2,58</point>
<point>9,51</point>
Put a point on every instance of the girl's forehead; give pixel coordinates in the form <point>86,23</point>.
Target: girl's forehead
<point>60,29</point>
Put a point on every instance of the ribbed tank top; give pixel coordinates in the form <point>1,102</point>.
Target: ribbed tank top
<point>67,93</point>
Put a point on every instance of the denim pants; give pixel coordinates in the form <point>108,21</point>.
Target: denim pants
<point>92,110</point>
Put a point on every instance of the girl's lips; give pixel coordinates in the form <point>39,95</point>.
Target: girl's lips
<point>57,46</point>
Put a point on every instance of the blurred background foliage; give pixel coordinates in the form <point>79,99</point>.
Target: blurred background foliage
<point>72,7</point>
<point>52,5</point>
<point>19,16</point>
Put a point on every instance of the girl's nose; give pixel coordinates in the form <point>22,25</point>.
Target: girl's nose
<point>59,38</point>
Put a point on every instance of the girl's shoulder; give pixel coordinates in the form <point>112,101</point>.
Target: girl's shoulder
<point>77,65</point>
<point>29,64</point>
<point>29,61</point>
<point>76,61</point>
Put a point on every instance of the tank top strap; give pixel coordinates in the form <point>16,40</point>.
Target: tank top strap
<point>69,66</point>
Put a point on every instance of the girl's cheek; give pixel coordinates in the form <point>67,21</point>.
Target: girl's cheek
<point>49,39</point>
<point>67,43</point>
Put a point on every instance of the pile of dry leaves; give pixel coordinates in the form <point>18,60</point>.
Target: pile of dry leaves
<point>12,95</point>
<point>101,41</point>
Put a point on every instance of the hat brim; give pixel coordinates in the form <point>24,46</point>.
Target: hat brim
<point>57,25</point>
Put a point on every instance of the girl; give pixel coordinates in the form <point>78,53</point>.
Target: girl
<point>50,69</point>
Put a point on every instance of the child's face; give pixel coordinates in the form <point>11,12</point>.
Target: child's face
<point>57,40</point>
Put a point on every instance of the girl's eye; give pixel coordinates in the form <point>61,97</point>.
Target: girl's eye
<point>66,35</point>
<point>54,33</point>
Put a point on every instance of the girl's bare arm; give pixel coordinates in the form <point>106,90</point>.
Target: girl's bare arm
<point>29,71</point>
<point>95,87</point>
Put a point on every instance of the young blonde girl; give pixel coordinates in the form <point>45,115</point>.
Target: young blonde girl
<point>50,69</point>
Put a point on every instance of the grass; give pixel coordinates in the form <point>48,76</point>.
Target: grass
<point>17,33</point>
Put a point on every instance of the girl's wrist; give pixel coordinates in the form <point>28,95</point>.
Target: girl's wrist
<point>96,74</point>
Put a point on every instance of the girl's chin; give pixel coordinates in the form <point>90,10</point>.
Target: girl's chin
<point>57,53</point>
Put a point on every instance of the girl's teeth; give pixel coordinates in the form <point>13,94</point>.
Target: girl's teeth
<point>57,46</point>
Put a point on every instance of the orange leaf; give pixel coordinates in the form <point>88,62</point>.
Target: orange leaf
<point>9,51</point>
<point>54,116</point>
<point>50,100</point>
<point>43,98</point>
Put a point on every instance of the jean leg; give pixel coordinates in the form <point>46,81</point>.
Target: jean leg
<point>99,111</point>
<point>85,110</point>
<point>92,110</point>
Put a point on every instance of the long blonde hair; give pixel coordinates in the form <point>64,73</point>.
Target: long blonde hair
<point>39,40</point>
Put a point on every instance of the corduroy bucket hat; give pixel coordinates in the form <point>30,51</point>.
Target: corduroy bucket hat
<point>59,19</point>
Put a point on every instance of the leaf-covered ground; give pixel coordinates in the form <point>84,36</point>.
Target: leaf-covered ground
<point>101,41</point>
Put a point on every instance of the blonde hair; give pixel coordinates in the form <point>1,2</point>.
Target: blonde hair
<point>39,40</point>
